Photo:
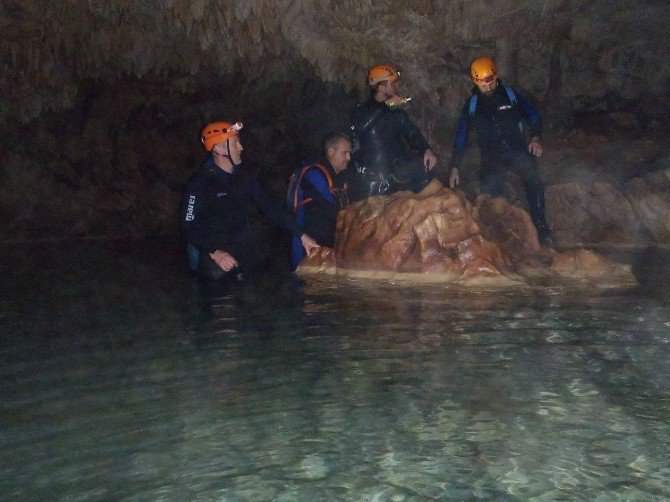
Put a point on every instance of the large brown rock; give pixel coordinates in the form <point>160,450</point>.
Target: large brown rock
<point>507,225</point>
<point>428,232</point>
<point>650,197</point>
<point>591,212</point>
<point>439,236</point>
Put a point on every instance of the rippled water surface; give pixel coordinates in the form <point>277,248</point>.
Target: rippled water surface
<point>123,380</point>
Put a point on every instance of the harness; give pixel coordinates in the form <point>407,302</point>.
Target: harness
<point>294,193</point>
<point>472,107</point>
<point>296,201</point>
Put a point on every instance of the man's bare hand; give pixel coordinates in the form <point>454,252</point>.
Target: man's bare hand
<point>223,260</point>
<point>454,178</point>
<point>429,160</point>
<point>535,147</point>
<point>309,244</point>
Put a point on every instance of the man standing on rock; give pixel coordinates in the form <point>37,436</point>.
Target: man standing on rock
<point>216,203</point>
<point>317,191</point>
<point>389,151</point>
<point>508,132</point>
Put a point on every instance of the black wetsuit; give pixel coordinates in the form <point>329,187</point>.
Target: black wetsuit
<point>215,215</point>
<point>388,151</point>
<point>502,123</point>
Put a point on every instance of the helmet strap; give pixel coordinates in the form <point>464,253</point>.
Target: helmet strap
<point>227,155</point>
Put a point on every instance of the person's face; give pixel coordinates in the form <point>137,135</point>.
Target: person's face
<point>389,88</point>
<point>487,89</point>
<point>339,155</point>
<point>235,146</point>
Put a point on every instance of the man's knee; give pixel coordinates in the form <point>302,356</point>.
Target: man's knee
<point>364,187</point>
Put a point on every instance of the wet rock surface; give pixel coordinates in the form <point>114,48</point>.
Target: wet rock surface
<point>650,197</point>
<point>592,212</point>
<point>437,235</point>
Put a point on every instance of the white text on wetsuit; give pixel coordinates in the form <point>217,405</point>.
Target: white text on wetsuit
<point>189,209</point>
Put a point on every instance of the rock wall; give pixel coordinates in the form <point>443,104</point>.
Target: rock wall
<point>102,100</point>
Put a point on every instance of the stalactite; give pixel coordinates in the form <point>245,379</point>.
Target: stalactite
<point>242,9</point>
<point>338,38</point>
<point>197,9</point>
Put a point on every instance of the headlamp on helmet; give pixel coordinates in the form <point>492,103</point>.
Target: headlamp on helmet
<point>218,132</point>
<point>381,73</point>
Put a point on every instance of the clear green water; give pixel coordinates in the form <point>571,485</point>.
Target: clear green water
<point>120,380</point>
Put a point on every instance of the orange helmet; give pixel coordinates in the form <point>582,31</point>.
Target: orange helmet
<point>380,73</point>
<point>483,70</point>
<point>218,132</point>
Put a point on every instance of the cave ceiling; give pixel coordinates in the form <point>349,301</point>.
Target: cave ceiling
<point>101,101</point>
<point>574,53</point>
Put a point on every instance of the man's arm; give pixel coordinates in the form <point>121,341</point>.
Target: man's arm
<point>411,132</point>
<point>279,215</point>
<point>460,141</point>
<point>534,122</point>
<point>416,140</point>
<point>195,226</point>
<point>194,217</point>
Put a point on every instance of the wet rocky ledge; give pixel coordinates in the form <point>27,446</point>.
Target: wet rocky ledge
<point>439,236</point>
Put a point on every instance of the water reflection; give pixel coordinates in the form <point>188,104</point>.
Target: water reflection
<point>145,386</point>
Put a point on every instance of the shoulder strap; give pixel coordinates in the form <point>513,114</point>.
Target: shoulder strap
<point>294,193</point>
<point>512,101</point>
<point>473,105</point>
<point>510,94</point>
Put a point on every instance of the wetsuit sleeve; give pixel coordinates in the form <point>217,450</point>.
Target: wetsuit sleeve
<point>461,139</point>
<point>275,212</point>
<point>195,215</point>
<point>318,189</point>
<point>411,132</point>
<point>530,115</point>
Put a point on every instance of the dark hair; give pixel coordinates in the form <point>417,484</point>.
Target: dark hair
<point>333,139</point>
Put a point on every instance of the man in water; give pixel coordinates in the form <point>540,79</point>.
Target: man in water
<point>216,203</point>
<point>317,192</point>
<point>389,151</point>
<point>508,132</point>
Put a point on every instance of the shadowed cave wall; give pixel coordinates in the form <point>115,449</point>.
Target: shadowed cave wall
<point>102,101</point>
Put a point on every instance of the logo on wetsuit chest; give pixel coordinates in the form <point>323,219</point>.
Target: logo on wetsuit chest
<point>189,208</point>
<point>504,107</point>
<point>222,194</point>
